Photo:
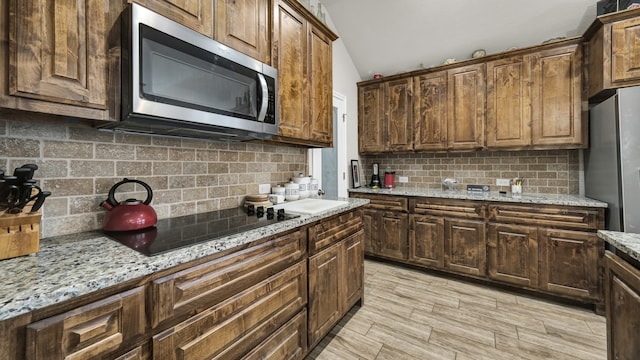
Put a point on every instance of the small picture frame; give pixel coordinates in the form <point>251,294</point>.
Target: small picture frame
<point>355,173</point>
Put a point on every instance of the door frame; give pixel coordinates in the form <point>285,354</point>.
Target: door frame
<point>315,155</point>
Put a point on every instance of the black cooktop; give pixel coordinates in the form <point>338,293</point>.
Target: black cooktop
<point>178,232</point>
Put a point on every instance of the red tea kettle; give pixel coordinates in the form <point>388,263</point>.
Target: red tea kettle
<point>131,214</point>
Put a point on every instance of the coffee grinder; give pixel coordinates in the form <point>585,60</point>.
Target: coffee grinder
<point>375,178</point>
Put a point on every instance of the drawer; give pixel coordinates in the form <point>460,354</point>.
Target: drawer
<point>466,209</point>
<point>384,202</point>
<point>192,290</point>
<point>90,331</point>
<point>233,327</point>
<point>289,342</point>
<point>548,216</point>
<point>333,230</point>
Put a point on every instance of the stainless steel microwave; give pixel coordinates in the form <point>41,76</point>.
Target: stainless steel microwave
<point>177,82</point>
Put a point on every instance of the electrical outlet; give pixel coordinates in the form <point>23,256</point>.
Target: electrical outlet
<point>403,179</point>
<point>264,188</point>
<point>502,182</point>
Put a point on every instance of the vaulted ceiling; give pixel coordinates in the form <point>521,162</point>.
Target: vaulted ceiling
<point>392,36</point>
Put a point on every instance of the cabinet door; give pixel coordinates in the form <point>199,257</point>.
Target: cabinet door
<point>426,241</point>
<point>465,246</point>
<point>556,101</point>
<point>398,118</point>
<point>623,308</point>
<point>58,51</point>
<point>321,87</point>
<point>290,54</point>
<point>194,14</point>
<point>371,136</point>
<point>512,254</point>
<point>509,102</point>
<point>325,292</point>
<point>625,50</point>
<point>244,25</point>
<point>430,111</point>
<point>392,235</point>
<point>369,220</point>
<point>570,263</point>
<point>466,110</point>
<point>90,331</point>
<point>353,272</point>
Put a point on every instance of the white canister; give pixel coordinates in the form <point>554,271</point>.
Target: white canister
<point>291,191</point>
<point>303,183</point>
<point>278,190</point>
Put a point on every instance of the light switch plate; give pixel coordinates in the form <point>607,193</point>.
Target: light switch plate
<point>403,179</point>
<point>502,182</point>
<point>264,188</point>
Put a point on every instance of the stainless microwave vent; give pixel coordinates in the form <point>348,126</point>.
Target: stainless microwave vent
<point>179,83</point>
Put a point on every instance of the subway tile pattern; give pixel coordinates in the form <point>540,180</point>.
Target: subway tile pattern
<point>545,171</point>
<point>79,164</point>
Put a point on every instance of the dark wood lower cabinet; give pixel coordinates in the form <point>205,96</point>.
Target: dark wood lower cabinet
<point>465,246</point>
<point>622,309</point>
<point>272,299</point>
<point>551,249</point>
<point>512,254</point>
<point>232,328</point>
<point>571,263</point>
<point>336,283</point>
<point>426,241</point>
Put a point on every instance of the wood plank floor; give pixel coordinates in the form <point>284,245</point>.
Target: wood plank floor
<point>409,314</point>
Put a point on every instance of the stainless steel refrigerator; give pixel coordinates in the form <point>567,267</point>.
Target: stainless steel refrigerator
<point>612,162</point>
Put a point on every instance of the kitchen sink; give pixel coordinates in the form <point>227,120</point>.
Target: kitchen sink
<point>310,206</point>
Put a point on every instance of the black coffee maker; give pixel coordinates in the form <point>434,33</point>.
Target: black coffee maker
<point>375,178</point>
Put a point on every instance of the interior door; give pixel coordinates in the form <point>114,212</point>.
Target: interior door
<point>329,165</point>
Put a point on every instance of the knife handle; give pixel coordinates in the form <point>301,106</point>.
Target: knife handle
<point>40,200</point>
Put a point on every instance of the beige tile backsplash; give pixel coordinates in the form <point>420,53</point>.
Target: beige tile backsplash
<point>79,165</point>
<point>551,172</point>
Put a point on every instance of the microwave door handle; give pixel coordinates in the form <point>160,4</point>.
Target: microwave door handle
<point>264,103</point>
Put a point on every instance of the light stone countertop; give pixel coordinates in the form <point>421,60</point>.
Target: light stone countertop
<point>525,198</point>
<point>628,243</point>
<point>74,265</point>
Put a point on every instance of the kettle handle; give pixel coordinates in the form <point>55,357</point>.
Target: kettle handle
<point>112,192</point>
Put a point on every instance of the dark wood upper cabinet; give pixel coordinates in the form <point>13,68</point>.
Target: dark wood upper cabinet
<point>612,53</point>
<point>57,58</point>
<point>398,114</point>
<point>557,118</point>
<point>302,53</point>
<point>290,52</point>
<point>194,14</point>
<point>371,136</point>
<point>430,111</point>
<point>466,109</point>
<point>509,102</point>
<point>245,25</point>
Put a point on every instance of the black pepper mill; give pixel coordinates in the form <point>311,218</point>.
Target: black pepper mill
<point>375,178</point>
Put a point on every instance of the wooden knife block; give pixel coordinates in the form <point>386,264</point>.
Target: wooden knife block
<point>20,234</point>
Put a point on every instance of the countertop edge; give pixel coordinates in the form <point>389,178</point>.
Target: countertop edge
<point>628,243</point>
<point>526,198</point>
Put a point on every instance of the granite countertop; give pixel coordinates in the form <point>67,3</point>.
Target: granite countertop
<point>74,265</point>
<point>526,198</point>
<point>628,243</point>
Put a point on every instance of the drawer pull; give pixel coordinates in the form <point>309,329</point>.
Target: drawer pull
<point>92,329</point>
